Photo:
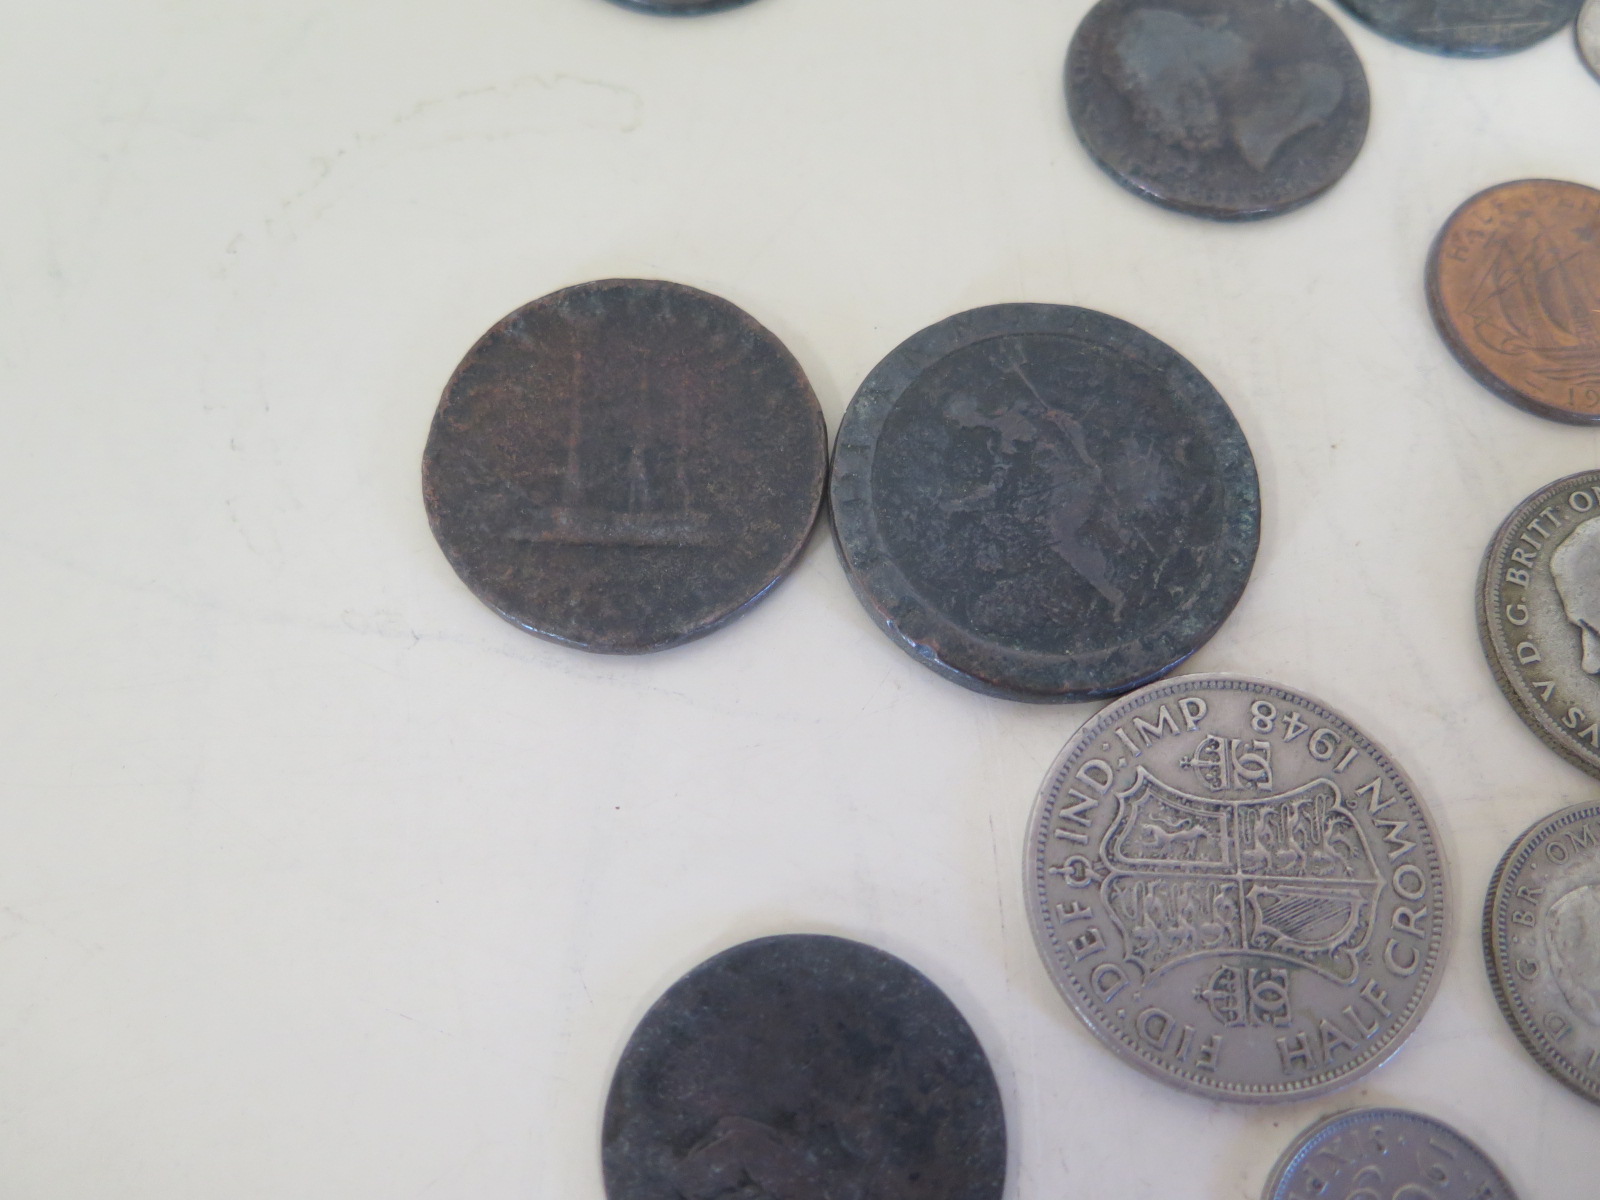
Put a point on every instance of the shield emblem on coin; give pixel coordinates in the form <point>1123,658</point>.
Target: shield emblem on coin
<point>1289,877</point>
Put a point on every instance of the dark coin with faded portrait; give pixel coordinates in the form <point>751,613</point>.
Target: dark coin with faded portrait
<point>803,1067</point>
<point>624,465</point>
<point>1466,28</point>
<point>1513,284</point>
<point>1044,502</point>
<point>1230,109</point>
<point>680,8</point>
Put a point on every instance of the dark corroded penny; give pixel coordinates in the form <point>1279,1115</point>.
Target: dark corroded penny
<point>1229,109</point>
<point>1539,615</point>
<point>683,8</point>
<point>1469,28</point>
<point>803,1068</point>
<point>1044,502</point>
<point>1384,1153</point>
<point>1541,938</point>
<point>1236,889</point>
<point>1513,283</point>
<point>624,465</point>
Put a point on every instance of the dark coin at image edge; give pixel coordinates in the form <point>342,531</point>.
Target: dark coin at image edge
<point>810,1066</point>
<point>624,465</point>
<point>680,8</point>
<point>1043,503</point>
<point>1232,111</point>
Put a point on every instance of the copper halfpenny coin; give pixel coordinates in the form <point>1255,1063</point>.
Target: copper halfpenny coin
<point>1514,287</point>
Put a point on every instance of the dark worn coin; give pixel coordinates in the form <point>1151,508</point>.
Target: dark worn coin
<point>1043,502</point>
<point>624,465</point>
<point>684,8</point>
<point>1385,1154</point>
<point>1236,889</point>
<point>1222,108</point>
<point>1468,28</point>
<point>803,1068</point>
<point>1541,937</point>
<point>1539,615</point>
<point>1514,287</point>
<point>1588,34</point>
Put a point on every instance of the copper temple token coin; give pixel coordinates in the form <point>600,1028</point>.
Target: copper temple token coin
<point>1228,109</point>
<point>624,465</point>
<point>804,1068</point>
<point>1514,287</point>
<point>1466,28</point>
<point>1044,502</point>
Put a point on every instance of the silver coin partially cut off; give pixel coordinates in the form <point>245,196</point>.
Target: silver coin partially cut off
<point>1541,938</point>
<point>1377,1152</point>
<point>1236,889</point>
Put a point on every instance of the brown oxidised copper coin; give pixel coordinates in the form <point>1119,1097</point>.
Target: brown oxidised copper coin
<point>624,465</point>
<point>1514,287</point>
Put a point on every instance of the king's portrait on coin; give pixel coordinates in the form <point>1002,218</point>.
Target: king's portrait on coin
<point>1575,566</point>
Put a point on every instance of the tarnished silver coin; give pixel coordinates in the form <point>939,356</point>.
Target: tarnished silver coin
<point>1589,35</point>
<point>1539,615</point>
<point>1236,889</point>
<point>1541,938</point>
<point>1376,1153</point>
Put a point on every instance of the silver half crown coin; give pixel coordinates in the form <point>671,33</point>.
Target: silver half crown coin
<point>1236,889</point>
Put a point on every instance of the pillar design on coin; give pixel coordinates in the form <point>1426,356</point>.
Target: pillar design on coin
<point>1541,939</point>
<point>1467,28</point>
<point>1587,31</point>
<point>624,465</point>
<point>1043,502</point>
<point>802,1067</point>
<point>1513,284</point>
<point>1236,889</point>
<point>1539,615</point>
<point>1230,110</point>
<point>1385,1154</point>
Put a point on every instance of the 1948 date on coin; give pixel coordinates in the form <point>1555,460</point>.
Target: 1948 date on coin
<point>1236,889</point>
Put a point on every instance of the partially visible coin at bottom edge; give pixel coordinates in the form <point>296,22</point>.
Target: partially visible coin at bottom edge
<point>1541,940</point>
<point>1383,1152</point>
<point>1236,889</point>
<point>1539,615</point>
<point>1513,284</point>
<point>680,8</point>
<point>804,1066</point>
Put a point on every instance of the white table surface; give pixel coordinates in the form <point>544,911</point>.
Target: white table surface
<point>317,879</point>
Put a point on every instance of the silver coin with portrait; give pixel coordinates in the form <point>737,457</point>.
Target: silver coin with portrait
<point>1541,937</point>
<point>1236,889</point>
<point>1539,615</point>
